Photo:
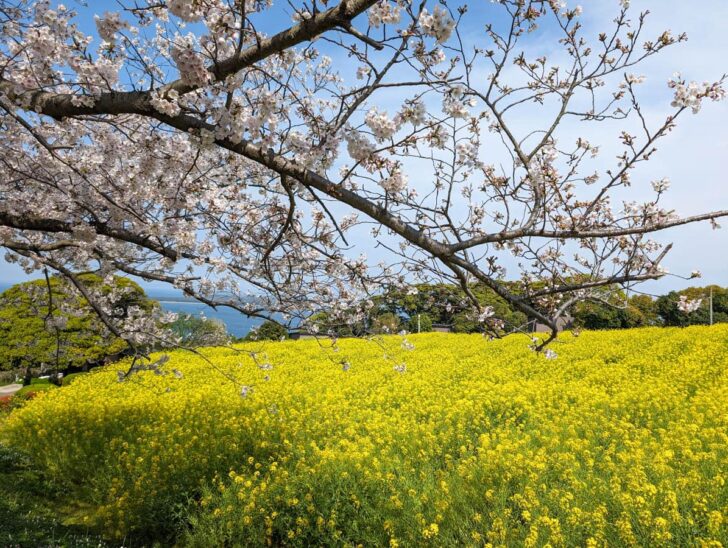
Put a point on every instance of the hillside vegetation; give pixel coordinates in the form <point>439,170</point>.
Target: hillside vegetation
<point>620,440</point>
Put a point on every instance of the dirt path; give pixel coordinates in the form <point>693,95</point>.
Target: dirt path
<point>9,389</point>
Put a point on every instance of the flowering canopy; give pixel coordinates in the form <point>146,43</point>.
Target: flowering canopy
<point>185,145</point>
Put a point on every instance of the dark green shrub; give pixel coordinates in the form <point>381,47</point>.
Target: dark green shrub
<point>419,323</point>
<point>268,331</point>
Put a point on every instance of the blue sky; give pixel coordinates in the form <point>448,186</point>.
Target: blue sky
<point>694,156</point>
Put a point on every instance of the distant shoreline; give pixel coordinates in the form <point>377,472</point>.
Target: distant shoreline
<point>168,301</point>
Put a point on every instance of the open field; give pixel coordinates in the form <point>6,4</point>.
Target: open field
<point>621,440</point>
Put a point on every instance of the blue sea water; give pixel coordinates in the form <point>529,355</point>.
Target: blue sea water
<point>237,324</point>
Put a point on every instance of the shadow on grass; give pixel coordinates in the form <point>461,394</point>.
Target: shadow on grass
<point>29,508</point>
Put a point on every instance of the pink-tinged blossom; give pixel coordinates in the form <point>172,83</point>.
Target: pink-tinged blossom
<point>109,25</point>
<point>166,104</point>
<point>359,147</point>
<point>691,95</point>
<point>688,305</point>
<point>396,182</point>
<point>191,64</point>
<point>384,13</point>
<point>437,24</point>
<point>382,126</point>
<point>662,185</point>
<point>187,10</point>
<point>414,112</point>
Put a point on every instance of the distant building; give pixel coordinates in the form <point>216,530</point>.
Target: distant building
<point>442,327</point>
<point>296,335</point>
<point>564,322</point>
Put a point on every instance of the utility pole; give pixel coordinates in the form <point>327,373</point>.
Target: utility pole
<point>711,305</point>
<point>418,321</point>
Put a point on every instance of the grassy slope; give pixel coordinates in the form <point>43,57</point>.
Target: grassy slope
<point>29,507</point>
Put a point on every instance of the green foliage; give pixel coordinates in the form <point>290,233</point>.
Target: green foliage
<point>463,322</point>
<point>27,341</point>
<point>195,331</point>
<point>326,325</point>
<point>616,311</point>
<point>386,323</point>
<point>30,510</point>
<point>268,331</point>
<point>419,323</point>
<point>36,385</point>
<point>446,304</point>
<point>671,315</point>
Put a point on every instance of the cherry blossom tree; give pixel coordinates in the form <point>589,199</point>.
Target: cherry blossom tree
<point>252,169</point>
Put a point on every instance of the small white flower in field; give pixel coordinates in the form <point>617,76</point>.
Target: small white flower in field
<point>345,366</point>
<point>401,368</point>
<point>407,345</point>
<point>245,390</point>
<point>550,354</point>
<point>177,373</point>
<point>696,274</point>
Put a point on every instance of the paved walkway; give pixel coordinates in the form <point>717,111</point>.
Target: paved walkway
<point>10,389</point>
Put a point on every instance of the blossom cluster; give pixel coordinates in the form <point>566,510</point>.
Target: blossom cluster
<point>383,13</point>
<point>437,24</point>
<point>689,305</point>
<point>187,10</point>
<point>108,25</point>
<point>358,146</point>
<point>383,127</point>
<point>190,63</point>
<point>396,181</point>
<point>691,95</point>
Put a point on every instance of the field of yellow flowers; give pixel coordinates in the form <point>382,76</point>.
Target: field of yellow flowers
<point>622,440</point>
